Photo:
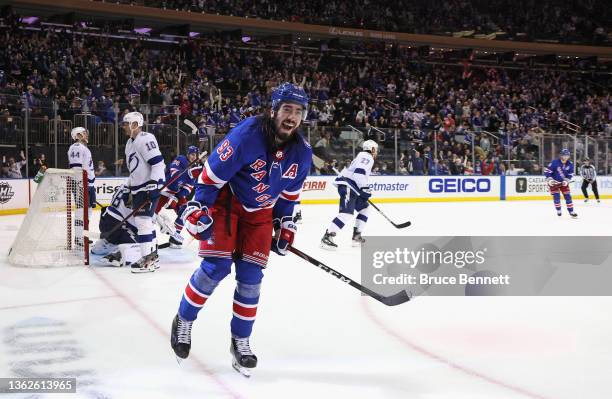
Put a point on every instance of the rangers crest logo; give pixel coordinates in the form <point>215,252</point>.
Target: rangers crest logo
<point>6,192</point>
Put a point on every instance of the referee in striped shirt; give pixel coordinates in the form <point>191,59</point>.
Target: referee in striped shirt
<point>589,176</point>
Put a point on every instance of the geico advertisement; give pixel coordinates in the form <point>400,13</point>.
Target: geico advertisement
<point>528,186</point>
<point>459,186</point>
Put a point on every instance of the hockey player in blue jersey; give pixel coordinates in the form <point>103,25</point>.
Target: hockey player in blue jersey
<point>247,189</point>
<point>120,248</point>
<point>558,175</point>
<point>176,195</point>
<point>352,184</point>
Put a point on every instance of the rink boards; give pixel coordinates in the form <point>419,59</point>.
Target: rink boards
<point>15,195</point>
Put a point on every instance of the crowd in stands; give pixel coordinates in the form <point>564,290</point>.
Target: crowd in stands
<point>558,20</point>
<point>495,110</point>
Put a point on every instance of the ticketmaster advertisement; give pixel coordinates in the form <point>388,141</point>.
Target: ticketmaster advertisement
<point>487,266</point>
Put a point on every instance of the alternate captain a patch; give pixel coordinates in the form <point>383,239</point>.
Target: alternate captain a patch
<point>291,173</point>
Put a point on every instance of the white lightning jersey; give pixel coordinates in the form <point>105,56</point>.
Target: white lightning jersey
<point>358,171</point>
<point>144,161</point>
<point>79,156</point>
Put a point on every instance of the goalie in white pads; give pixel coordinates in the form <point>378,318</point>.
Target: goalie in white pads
<point>79,157</point>
<point>146,166</point>
<point>120,248</point>
<point>352,184</point>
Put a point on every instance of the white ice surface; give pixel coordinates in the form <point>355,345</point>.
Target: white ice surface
<point>315,337</point>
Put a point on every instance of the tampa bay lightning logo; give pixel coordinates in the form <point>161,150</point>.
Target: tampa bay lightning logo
<point>133,162</point>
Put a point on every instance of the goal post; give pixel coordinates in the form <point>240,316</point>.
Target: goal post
<point>51,234</point>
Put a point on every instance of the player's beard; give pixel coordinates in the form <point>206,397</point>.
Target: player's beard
<point>283,132</point>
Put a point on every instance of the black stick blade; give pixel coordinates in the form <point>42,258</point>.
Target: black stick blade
<point>396,299</point>
<point>402,225</point>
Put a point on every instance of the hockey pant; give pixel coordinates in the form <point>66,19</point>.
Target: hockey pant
<point>239,237</point>
<point>556,192</point>
<point>349,203</point>
<point>585,185</point>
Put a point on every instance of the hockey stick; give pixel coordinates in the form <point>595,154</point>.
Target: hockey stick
<point>194,128</point>
<point>147,202</point>
<point>396,225</point>
<point>391,300</point>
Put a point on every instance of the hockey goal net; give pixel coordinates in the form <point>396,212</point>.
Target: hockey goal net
<point>52,232</point>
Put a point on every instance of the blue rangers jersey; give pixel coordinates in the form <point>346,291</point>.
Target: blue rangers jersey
<point>182,186</point>
<point>559,171</point>
<point>258,178</point>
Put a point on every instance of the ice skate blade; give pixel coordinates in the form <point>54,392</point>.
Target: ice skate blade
<point>328,247</point>
<point>245,372</point>
<point>357,244</point>
<point>138,270</point>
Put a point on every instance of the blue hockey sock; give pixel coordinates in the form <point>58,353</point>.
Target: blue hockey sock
<point>557,201</point>
<point>201,285</point>
<point>246,298</point>
<point>568,202</point>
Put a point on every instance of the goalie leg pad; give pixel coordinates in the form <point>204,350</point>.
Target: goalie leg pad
<point>103,247</point>
<point>130,253</point>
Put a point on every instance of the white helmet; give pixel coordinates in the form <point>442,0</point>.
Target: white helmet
<point>369,145</point>
<point>76,131</point>
<point>131,117</point>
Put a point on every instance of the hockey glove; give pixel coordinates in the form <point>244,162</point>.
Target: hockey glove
<point>365,193</point>
<point>153,188</point>
<point>284,230</point>
<point>197,221</point>
<point>552,182</point>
